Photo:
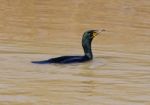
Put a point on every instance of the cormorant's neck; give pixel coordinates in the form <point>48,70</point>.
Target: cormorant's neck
<point>86,44</point>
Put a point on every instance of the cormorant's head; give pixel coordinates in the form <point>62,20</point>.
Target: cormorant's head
<point>87,39</point>
<point>90,34</point>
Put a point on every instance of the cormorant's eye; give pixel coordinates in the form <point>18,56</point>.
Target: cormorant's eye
<point>93,34</point>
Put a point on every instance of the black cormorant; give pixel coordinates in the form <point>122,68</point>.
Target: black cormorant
<point>86,44</point>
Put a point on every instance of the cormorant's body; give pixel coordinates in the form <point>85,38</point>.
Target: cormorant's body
<point>64,60</point>
<point>86,44</point>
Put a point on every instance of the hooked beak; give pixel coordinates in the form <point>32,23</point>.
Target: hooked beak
<point>96,32</point>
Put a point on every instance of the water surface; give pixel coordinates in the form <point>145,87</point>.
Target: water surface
<point>39,29</point>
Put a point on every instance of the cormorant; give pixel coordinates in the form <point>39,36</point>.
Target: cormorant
<point>86,44</point>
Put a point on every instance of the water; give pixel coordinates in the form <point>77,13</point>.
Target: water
<point>37,30</point>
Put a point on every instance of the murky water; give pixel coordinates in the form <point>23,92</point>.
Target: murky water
<point>40,29</point>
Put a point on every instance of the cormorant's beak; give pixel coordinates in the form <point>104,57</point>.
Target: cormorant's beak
<point>96,32</point>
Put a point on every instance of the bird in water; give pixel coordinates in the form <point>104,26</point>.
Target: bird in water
<point>87,38</point>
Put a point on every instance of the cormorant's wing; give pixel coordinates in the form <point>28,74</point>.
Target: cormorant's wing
<point>63,60</point>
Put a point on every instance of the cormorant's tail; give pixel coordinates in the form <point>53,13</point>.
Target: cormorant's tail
<point>42,62</point>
